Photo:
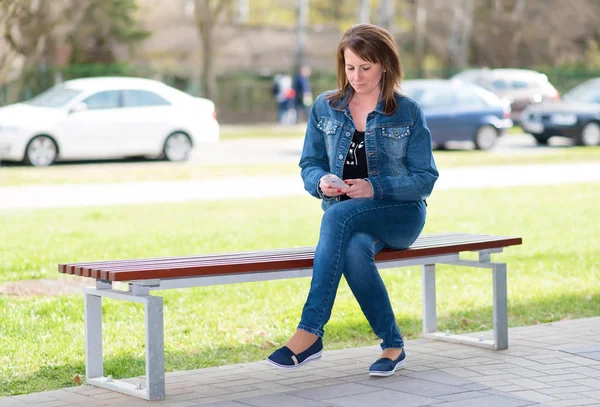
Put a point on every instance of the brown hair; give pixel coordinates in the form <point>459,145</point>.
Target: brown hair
<point>376,45</point>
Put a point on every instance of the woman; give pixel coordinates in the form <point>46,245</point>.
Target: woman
<point>377,141</point>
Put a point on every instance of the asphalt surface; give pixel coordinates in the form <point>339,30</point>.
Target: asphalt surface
<point>271,150</point>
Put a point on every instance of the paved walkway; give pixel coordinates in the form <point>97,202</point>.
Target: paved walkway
<point>49,196</point>
<point>551,365</point>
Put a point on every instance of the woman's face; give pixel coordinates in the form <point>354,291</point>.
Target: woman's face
<point>364,76</point>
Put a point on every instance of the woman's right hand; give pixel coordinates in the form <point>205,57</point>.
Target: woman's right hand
<point>328,189</point>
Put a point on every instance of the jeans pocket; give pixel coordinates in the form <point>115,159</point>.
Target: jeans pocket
<point>395,140</point>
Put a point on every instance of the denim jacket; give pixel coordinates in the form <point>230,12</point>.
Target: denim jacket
<point>398,148</point>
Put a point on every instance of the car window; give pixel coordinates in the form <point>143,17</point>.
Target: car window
<point>57,96</point>
<point>466,97</point>
<point>431,97</point>
<point>109,99</point>
<point>520,85</point>
<point>138,98</point>
<point>498,84</point>
<point>586,92</point>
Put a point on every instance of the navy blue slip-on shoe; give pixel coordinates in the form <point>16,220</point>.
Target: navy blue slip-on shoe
<point>387,366</point>
<point>284,358</point>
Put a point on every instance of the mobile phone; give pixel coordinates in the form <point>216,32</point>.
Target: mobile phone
<point>337,183</point>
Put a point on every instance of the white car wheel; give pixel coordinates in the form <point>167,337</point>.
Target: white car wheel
<point>41,151</point>
<point>177,147</point>
<point>486,137</point>
<point>590,135</point>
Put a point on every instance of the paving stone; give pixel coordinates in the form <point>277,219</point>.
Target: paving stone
<point>460,372</point>
<point>55,403</point>
<point>488,401</point>
<point>441,377</point>
<point>594,394</point>
<point>534,395</point>
<point>563,390</point>
<point>467,395</point>
<point>222,404</point>
<point>522,371</point>
<point>510,388</point>
<point>594,383</point>
<point>318,383</point>
<point>582,349</point>
<point>475,386</point>
<point>422,387</point>
<point>386,398</point>
<point>568,396</point>
<point>279,400</point>
<point>585,371</point>
<point>338,390</point>
<point>529,384</point>
<point>12,402</point>
<point>572,403</point>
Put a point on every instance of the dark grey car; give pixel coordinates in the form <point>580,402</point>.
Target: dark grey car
<point>576,116</point>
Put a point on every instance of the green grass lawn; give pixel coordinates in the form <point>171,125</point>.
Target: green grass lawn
<point>554,275</point>
<point>160,171</point>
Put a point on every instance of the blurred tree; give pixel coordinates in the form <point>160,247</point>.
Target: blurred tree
<point>364,11</point>
<point>385,14</point>
<point>8,55</point>
<point>104,25</point>
<point>34,29</point>
<point>207,15</point>
<point>302,10</point>
<point>460,35</point>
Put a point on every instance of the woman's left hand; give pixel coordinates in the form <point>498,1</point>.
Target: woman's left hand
<point>359,188</point>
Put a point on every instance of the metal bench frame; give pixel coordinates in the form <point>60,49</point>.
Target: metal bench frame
<point>139,291</point>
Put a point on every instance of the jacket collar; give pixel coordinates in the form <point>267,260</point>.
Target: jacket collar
<point>342,105</point>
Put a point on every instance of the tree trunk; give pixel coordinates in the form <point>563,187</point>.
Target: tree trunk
<point>209,80</point>
<point>301,26</point>
<point>385,16</point>
<point>420,31</point>
<point>207,19</point>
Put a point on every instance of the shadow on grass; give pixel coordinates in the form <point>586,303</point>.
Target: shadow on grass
<point>354,333</point>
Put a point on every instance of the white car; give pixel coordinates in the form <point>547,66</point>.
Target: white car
<point>106,117</point>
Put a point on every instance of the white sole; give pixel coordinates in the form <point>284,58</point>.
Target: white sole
<point>308,359</point>
<point>399,365</point>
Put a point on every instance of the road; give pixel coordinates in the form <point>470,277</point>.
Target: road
<point>285,150</point>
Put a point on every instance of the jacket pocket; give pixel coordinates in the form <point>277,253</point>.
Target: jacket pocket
<point>329,128</point>
<point>395,140</point>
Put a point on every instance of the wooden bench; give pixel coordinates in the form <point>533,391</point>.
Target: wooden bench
<point>145,275</point>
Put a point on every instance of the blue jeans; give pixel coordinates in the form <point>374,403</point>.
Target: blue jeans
<point>352,233</point>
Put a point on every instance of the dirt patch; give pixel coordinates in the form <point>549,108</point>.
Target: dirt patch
<point>31,288</point>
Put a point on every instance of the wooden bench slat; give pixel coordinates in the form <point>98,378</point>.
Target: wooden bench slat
<point>251,258</point>
<point>427,240</point>
<point>229,268</point>
<point>268,260</point>
<point>214,260</point>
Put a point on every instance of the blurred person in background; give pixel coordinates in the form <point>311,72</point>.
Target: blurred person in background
<point>284,96</point>
<point>304,97</point>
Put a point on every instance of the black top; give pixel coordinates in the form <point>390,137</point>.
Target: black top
<point>355,165</point>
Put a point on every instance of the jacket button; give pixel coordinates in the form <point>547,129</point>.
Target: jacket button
<point>340,157</point>
<point>347,133</point>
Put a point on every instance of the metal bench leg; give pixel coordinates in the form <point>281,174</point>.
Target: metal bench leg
<point>429,310</point>
<point>500,306</point>
<point>155,348</point>
<point>155,352</point>
<point>93,336</point>
<point>499,280</point>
